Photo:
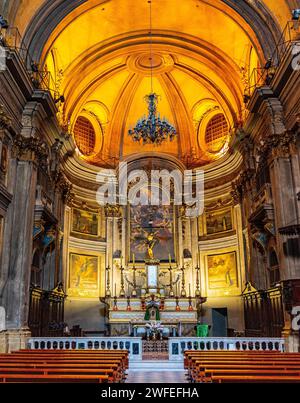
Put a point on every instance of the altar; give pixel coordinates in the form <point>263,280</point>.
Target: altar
<point>178,317</point>
<point>155,293</point>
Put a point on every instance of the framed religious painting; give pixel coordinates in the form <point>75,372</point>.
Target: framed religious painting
<point>218,221</point>
<point>222,274</point>
<point>85,223</point>
<point>151,226</point>
<point>83,276</point>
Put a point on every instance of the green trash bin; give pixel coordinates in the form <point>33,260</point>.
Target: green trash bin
<point>202,330</point>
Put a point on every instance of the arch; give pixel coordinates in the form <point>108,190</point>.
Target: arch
<point>228,91</point>
<point>45,21</point>
<point>205,52</point>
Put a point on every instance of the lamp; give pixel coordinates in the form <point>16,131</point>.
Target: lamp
<point>296,14</point>
<point>152,129</point>
<point>3,22</point>
<point>34,67</point>
<point>268,63</point>
<point>60,99</point>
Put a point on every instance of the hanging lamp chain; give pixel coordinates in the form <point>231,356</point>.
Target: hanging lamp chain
<point>152,129</point>
<point>151,44</point>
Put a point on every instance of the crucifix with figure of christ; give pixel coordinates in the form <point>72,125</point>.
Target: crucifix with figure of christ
<point>152,264</point>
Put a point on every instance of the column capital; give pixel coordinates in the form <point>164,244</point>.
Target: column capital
<point>113,211</point>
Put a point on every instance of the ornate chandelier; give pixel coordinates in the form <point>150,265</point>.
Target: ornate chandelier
<point>152,129</point>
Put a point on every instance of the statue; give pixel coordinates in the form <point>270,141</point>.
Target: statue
<point>151,241</point>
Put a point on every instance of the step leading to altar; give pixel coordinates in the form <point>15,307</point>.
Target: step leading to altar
<point>155,350</point>
<point>159,365</point>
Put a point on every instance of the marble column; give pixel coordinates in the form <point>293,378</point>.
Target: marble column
<point>109,249</point>
<point>16,291</point>
<point>123,237</point>
<point>180,239</point>
<point>241,246</point>
<point>188,242</point>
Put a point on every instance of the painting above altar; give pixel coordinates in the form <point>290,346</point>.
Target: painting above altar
<point>155,222</point>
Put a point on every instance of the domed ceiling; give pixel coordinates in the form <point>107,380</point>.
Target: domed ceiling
<point>203,53</point>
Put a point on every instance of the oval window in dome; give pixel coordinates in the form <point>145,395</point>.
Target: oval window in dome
<point>216,133</point>
<point>84,135</point>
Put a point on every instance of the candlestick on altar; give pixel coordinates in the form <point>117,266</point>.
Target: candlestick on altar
<point>115,294</point>
<point>133,293</point>
<point>183,292</point>
<point>122,290</point>
<point>107,292</point>
<point>171,294</point>
<point>198,291</point>
<point>190,299</point>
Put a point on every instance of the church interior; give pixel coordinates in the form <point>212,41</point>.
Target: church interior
<point>173,96</point>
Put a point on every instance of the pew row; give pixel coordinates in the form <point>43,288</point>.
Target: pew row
<point>64,366</point>
<point>237,366</point>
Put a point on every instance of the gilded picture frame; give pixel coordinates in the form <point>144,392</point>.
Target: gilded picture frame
<point>222,274</point>
<point>84,275</point>
<point>85,223</point>
<point>156,220</point>
<point>218,221</point>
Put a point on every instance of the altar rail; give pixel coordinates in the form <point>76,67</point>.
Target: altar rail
<point>132,344</point>
<point>177,345</point>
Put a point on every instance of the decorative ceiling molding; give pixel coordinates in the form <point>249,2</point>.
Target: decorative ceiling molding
<point>49,16</point>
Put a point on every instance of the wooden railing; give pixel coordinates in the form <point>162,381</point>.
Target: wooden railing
<point>264,75</point>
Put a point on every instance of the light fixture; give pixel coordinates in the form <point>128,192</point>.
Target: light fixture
<point>296,14</point>
<point>3,22</point>
<point>268,63</point>
<point>60,99</point>
<point>34,67</point>
<point>152,129</point>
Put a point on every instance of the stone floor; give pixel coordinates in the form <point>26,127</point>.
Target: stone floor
<point>156,377</point>
<point>156,372</point>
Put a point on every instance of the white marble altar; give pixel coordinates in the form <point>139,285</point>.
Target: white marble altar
<point>124,319</point>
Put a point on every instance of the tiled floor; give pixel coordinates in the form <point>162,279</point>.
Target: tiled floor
<point>156,377</point>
